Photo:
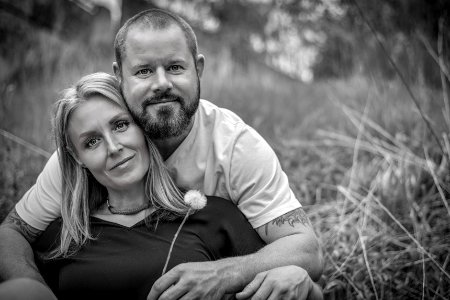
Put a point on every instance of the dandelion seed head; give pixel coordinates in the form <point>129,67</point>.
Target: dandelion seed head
<point>195,199</point>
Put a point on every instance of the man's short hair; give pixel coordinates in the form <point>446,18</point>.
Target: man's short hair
<point>154,19</point>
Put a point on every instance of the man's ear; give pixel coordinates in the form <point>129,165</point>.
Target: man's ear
<point>117,71</point>
<point>200,64</point>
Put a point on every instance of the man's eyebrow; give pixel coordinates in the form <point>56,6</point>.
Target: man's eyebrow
<point>139,66</point>
<point>177,61</point>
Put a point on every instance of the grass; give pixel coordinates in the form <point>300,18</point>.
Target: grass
<point>359,157</point>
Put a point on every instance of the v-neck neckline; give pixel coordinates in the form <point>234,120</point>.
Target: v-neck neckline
<point>97,219</point>
<point>138,223</point>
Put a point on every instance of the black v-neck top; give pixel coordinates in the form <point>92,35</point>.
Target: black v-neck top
<point>124,262</point>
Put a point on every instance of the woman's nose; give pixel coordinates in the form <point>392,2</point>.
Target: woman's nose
<point>114,145</point>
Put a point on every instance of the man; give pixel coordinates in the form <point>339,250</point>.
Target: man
<point>205,148</point>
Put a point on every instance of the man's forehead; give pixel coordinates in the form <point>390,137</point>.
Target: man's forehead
<point>148,31</point>
<point>158,42</point>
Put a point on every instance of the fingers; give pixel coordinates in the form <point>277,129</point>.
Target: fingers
<point>163,284</point>
<point>176,291</point>
<point>315,292</point>
<point>252,287</point>
<point>283,283</point>
<point>263,292</point>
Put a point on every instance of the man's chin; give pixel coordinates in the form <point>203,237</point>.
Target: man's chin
<point>165,110</point>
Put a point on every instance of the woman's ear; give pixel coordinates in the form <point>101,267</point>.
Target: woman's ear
<point>75,157</point>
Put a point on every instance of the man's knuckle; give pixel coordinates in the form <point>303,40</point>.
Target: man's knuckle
<point>157,287</point>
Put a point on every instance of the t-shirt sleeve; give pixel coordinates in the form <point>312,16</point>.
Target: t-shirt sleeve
<point>257,182</point>
<point>41,204</point>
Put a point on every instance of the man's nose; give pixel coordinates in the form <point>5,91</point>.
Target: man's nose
<point>114,145</point>
<point>162,82</point>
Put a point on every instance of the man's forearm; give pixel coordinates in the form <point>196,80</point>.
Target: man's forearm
<point>291,241</point>
<point>297,249</point>
<point>301,249</point>
<point>16,256</point>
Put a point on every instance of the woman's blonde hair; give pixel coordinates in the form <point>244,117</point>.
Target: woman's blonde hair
<point>81,192</point>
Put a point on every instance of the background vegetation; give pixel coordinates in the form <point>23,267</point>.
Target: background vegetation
<point>365,144</point>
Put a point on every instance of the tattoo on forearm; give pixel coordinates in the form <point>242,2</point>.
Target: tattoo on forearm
<point>296,216</point>
<point>14,221</point>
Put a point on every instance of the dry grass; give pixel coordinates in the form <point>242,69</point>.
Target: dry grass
<point>358,156</point>
<point>386,235</point>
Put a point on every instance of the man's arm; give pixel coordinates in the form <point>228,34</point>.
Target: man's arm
<point>292,237</point>
<point>282,282</point>
<point>292,242</point>
<point>16,255</point>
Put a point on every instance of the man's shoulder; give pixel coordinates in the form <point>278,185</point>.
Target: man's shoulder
<point>223,128</point>
<point>219,115</point>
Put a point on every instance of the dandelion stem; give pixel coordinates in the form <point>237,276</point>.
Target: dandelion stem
<point>173,241</point>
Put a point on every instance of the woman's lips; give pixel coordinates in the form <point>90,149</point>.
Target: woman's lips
<point>123,161</point>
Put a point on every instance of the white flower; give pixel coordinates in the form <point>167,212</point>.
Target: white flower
<point>195,199</point>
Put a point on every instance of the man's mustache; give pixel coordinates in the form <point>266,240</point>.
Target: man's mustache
<point>164,97</point>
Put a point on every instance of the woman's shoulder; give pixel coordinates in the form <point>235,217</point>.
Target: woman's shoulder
<point>217,203</point>
<point>220,209</point>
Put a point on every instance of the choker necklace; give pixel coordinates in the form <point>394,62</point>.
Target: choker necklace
<point>130,211</point>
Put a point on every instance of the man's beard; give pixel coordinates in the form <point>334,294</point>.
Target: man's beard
<point>168,122</point>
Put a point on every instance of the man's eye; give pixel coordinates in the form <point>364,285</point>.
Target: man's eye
<point>121,125</point>
<point>175,68</point>
<point>143,72</point>
<point>92,142</point>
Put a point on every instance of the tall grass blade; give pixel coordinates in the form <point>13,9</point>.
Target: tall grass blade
<point>400,75</point>
<point>422,249</point>
<point>366,260</point>
<point>349,280</point>
<point>441,67</point>
<point>436,182</point>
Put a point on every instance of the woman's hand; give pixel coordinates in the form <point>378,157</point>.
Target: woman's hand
<point>289,282</point>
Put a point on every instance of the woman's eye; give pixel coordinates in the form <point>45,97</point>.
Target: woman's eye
<point>121,125</point>
<point>92,142</point>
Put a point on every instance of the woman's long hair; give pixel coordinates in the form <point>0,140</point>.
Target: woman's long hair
<point>81,192</point>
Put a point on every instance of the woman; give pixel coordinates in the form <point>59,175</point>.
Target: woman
<point>120,207</point>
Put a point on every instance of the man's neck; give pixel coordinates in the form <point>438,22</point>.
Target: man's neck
<point>168,146</point>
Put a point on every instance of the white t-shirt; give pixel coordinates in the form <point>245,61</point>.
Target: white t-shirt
<point>222,156</point>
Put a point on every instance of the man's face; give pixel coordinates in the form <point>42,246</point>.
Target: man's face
<point>160,81</point>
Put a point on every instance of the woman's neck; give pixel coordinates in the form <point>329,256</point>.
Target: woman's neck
<point>127,198</point>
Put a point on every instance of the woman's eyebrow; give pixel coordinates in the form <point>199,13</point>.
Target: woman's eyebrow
<point>120,115</point>
<point>85,134</point>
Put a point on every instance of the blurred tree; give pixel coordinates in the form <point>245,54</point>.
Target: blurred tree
<point>304,39</point>
<point>398,24</point>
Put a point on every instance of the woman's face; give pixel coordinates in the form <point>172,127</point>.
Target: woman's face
<point>108,143</point>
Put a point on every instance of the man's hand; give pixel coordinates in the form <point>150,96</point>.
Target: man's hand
<point>286,283</point>
<point>202,280</point>
<point>291,242</point>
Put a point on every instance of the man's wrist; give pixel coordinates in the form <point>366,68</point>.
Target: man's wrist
<point>237,272</point>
